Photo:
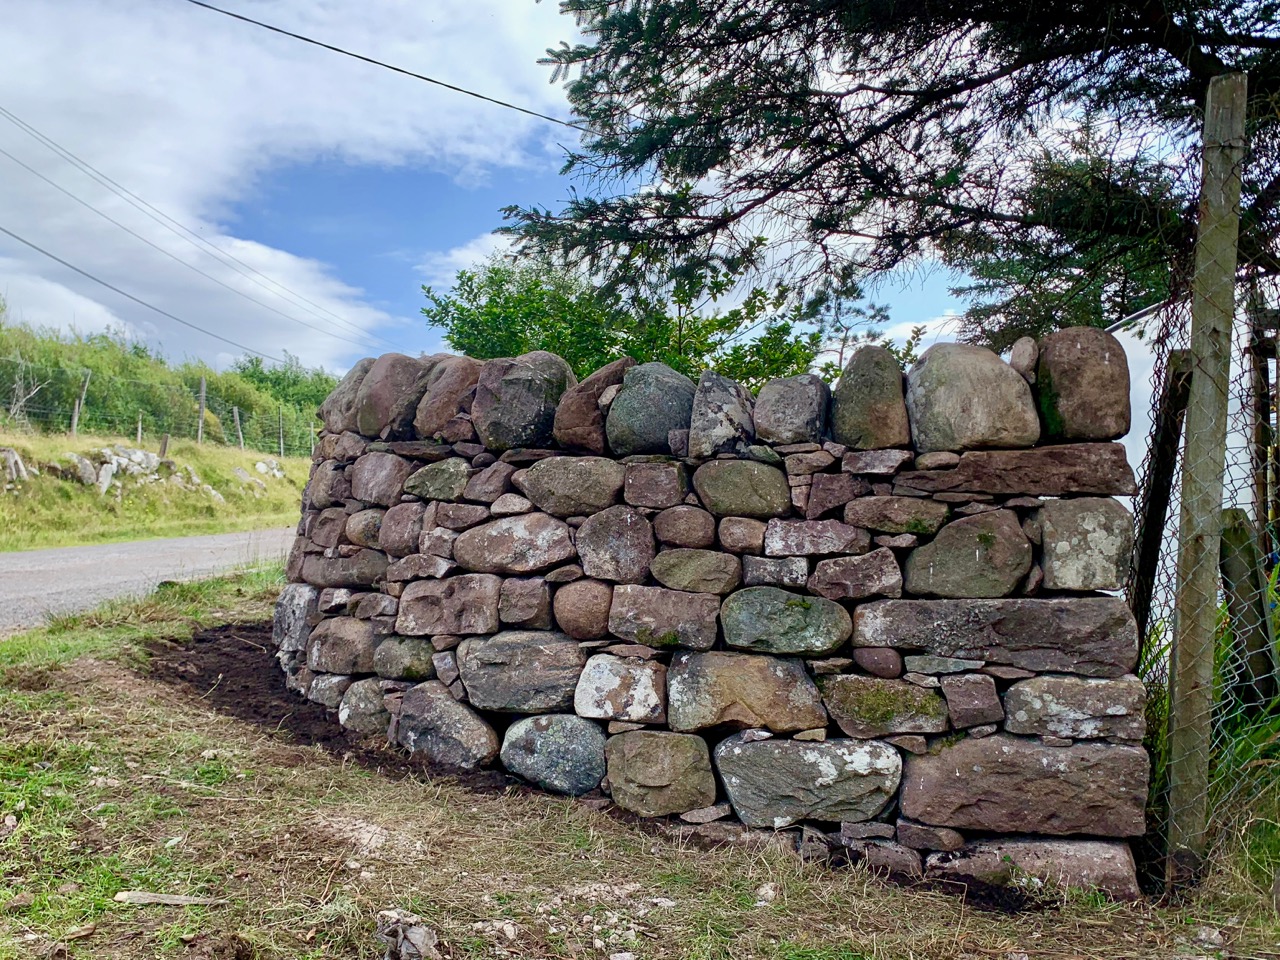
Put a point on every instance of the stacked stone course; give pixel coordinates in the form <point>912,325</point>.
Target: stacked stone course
<point>877,614</point>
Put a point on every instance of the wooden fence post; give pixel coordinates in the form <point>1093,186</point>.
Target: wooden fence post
<point>164,446</point>
<point>235,415</point>
<point>1251,680</point>
<point>1200,527</point>
<point>78,406</point>
<point>200,421</point>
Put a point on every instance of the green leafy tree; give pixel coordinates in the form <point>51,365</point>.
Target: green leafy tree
<point>289,382</point>
<point>861,136</point>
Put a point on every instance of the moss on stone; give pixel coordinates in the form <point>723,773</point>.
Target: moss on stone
<point>878,703</point>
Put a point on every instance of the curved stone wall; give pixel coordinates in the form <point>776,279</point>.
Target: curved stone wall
<point>878,612</point>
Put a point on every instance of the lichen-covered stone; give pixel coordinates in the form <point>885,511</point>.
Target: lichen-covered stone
<point>792,410</point>
<point>869,707</point>
<point>447,733</point>
<point>739,691</point>
<point>573,486</point>
<point>379,478</point>
<point>1092,636</point>
<point>1006,784</point>
<point>622,688</point>
<point>983,556</point>
<point>404,658</point>
<point>775,783</point>
<point>1082,385</point>
<point>803,538</point>
<point>658,617</point>
<point>697,571</point>
<point>1088,543</point>
<point>1077,708</point>
<point>450,383</point>
<point>515,404</point>
<point>616,544</point>
<point>291,625</point>
<point>1079,864</point>
<point>742,488</point>
<point>888,514</point>
<point>867,408</point>
<point>653,401</point>
<point>465,604</point>
<point>771,620</point>
<point>362,709</point>
<point>526,543</point>
<point>444,480</point>
<point>579,421</point>
<point>790,572</point>
<point>521,671</point>
<point>963,397</point>
<point>720,420</point>
<point>657,774</point>
<point>561,753</point>
<point>364,527</point>
<point>875,574</point>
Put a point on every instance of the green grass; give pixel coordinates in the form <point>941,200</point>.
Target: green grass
<point>50,512</point>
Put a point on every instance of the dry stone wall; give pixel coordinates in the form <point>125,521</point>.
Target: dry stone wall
<point>877,614</point>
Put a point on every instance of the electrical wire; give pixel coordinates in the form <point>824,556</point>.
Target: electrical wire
<point>389,66</point>
<point>138,300</point>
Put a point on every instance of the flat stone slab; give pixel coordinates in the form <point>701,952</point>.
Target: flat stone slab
<point>869,707</point>
<point>657,617</point>
<point>1082,864</point>
<point>1078,708</point>
<point>1074,469</point>
<point>738,691</point>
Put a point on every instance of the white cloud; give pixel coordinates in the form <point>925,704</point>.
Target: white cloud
<point>188,109</point>
<point>440,267</point>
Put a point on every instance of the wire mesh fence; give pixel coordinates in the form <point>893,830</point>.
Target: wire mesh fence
<point>47,400</point>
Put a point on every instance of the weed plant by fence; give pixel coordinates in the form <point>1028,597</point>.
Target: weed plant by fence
<point>48,399</point>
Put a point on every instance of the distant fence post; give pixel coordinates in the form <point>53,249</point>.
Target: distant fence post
<point>200,420</point>
<point>164,446</point>
<point>235,415</point>
<point>1200,528</point>
<point>139,440</point>
<point>281,411</point>
<point>79,404</point>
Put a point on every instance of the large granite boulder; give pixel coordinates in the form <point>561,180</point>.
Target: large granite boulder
<point>525,543</point>
<point>341,645</point>
<point>867,408</point>
<point>792,410</point>
<point>875,574</point>
<point>461,605</point>
<point>1087,542</point>
<point>561,753</point>
<point>444,480</point>
<point>379,478</point>
<point>697,571</point>
<point>657,774</point>
<point>657,617</point>
<point>720,421</point>
<point>622,688</point>
<point>516,398</point>
<point>389,394</point>
<point>1091,636</point>
<point>738,691</point>
<point>579,422</point>
<point>449,388</point>
<point>653,401</point>
<point>870,707</point>
<point>742,488</point>
<point>772,620</point>
<point>1078,708</point>
<point>1079,864</point>
<point>982,556</point>
<point>775,783</point>
<point>1082,385</point>
<point>573,486</point>
<point>999,783</point>
<point>339,408</point>
<point>521,671</point>
<point>961,397</point>
<point>616,544</point>
<point>447,733</point>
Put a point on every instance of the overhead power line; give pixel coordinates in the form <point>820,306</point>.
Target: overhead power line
<point>138,300</point>
<point>187,234</point>
<point>389,66</point>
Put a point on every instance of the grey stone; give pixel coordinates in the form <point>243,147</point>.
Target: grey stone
<point>875,574</point>
<point>1077,708</point>
<point>742,488</point>
<point>974,557</point>
<point>775,572</point>
<point>921,836</point>
<point>656,774</point>
<point>389,395</point>
<point>775,783</point>
<point>962,397</point>
<point>697,571</point>
<point>561,753</point>
<point>1082,385</point>
<point>339,408</point>
<point>404,658</point>
<point>341,645</point>
<point>770,620</point>
<point>875,463</point>
<point>328,689</point>
<point>792,410</point>
<point>886,858</point>
<point>363,569</point>
<point>739,691</point>
<point>869,707</point>
<point>521,671</point>
<point>466,604</point>
<point>867,409</point>
<point>525,602</point>
<point>927,663</point>
<point>709,814</point>
<point>444,480</point>
<point>622,688</point>
<point>445,664</point>
<point>379,478</point>
<point>573,486</point>
<point>291,624</point>
<point>865,830</point>
<point>800,538</point>
<point>362,709</point>
<point>664,618</point>
<point>516,398</point>
<point>579,421</point>
<point>1023,358</point>
<point>653,401</point>
<point>527,543</point>
<point>720,421</point>
<point>972,700</point>
<point>1092,636</point>
<point>1082,864</point>
<point>450,384</point>
<point>999,783</point>
<point>446,732</point>
<point>897,515</point>
<point>420,566</point>
<point>1088,543</point>
<point>616,544</point>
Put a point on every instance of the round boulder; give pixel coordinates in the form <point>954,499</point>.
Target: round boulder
<point>653,401</point>
<point>1082,384</point>
<point>581,608</point>
<point>616,544</point>
<point>559,752</point>
<point>867,412</point>
<point>515,403</point>
<point>963,397</point>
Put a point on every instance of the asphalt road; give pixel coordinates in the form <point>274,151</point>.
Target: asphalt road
<point>70,579</point>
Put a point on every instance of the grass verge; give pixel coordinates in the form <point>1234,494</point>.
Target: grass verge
<point>110,781</point>
<point>48,511</point>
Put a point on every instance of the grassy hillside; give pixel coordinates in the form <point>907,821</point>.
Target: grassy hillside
<point>50,510</point>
